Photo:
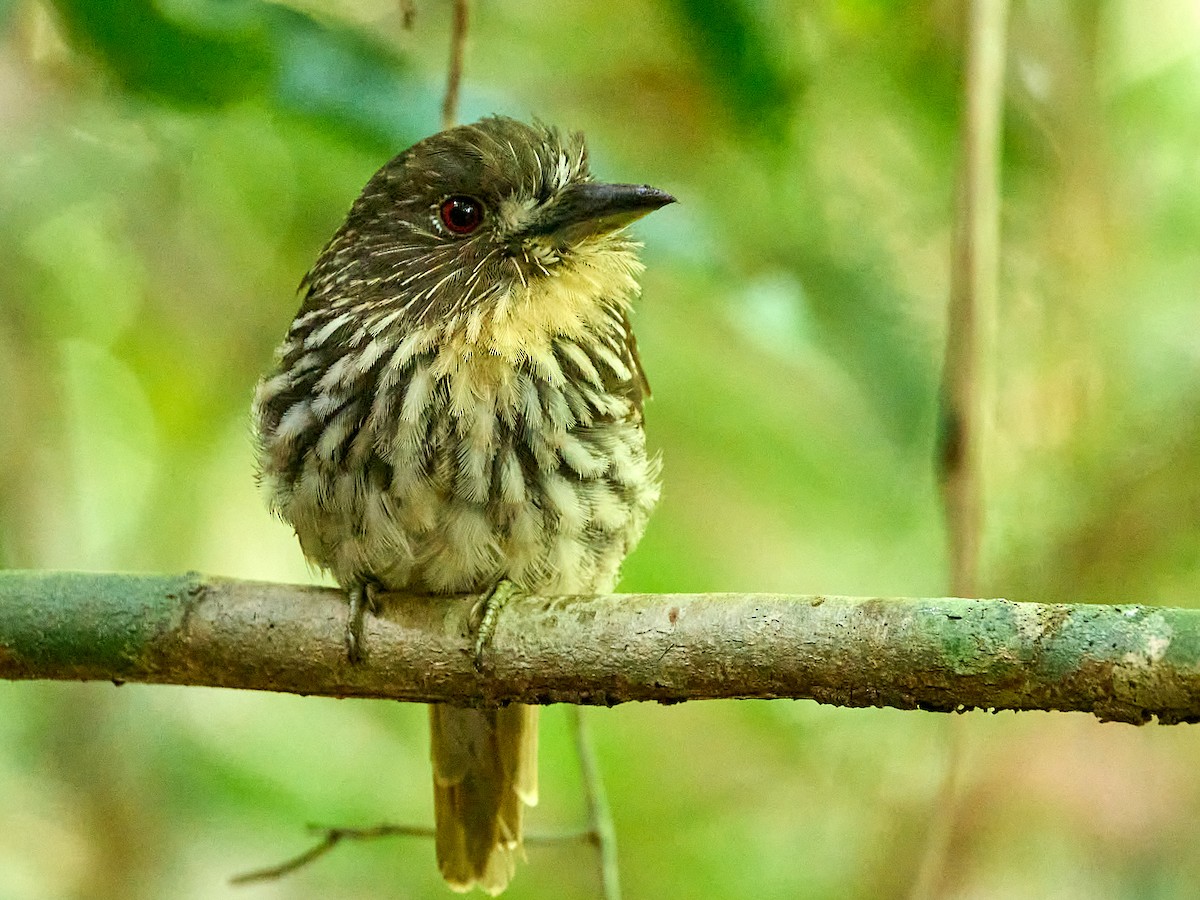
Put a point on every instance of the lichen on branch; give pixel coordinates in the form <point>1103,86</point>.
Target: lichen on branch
<point>1128,663</point>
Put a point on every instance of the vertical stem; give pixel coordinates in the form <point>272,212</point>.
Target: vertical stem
<point>967,374</point>
<point>603,832</point>
<point>967,371</point>
<point>458,42</point>
<point>941,820</point>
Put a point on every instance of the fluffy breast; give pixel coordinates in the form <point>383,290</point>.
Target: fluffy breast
<point>426,464</point>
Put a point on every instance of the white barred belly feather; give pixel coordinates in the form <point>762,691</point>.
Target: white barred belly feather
<point>433,466</point>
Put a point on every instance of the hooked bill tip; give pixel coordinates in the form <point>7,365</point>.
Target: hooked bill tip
<point>653,195</point>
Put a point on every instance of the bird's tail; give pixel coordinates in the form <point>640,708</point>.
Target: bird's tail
<point>484,773</point>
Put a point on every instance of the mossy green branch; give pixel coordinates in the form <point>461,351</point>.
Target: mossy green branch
<point>1127,663</point>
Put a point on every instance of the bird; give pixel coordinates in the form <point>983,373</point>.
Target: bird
<point>457,408</point>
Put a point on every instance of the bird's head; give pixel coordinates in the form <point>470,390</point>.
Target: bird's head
<point>481,228</point>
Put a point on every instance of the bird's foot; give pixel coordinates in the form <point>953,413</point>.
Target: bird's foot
<point>487,613</point>
<point>362,601</point>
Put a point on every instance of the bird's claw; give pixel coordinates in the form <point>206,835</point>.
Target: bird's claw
<point>488,614</point>
<point>362,601</point>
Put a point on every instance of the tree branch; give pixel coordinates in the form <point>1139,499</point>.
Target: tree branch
<point>1126,663</point>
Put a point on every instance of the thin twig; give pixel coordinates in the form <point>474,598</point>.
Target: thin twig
<point>458,43</point>
<point>331,837</point>
<point>603,832</point>
<point>966,376</point>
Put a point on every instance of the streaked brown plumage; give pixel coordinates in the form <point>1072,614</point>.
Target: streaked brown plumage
<point>459,402</point>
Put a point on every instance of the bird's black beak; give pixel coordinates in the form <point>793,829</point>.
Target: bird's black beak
<point>590,209</point>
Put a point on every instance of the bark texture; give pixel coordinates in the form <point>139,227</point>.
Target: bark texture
<point>1124,662</point>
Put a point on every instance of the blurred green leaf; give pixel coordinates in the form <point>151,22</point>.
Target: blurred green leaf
<point>732,40</point>
<point>223,53</point>
<point>211,59</point>
<point>863,320</point>
<point>343,79</point>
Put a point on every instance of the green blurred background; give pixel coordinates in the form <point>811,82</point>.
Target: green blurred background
<point>171,167</point>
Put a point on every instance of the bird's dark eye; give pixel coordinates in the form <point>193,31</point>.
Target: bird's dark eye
<point>461,214</point>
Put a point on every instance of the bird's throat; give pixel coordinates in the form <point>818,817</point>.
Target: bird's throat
<point>575,300</point>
